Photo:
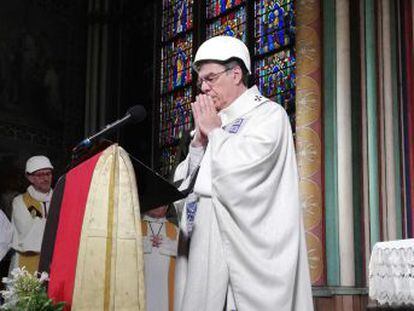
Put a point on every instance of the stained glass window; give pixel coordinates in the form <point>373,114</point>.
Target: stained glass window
<point>176,63</point>
<point>177,17</point>
<point>167,160</point>
<point>274,25</point>
<point>272,42</point>
<point>275,63</point>
<point>175,116</point>
<point>275,76</point>
<point>226,17</point>
<point>175,79</point>
<point>232,24</point>
<point>218,7</point>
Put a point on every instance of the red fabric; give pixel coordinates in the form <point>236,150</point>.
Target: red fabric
<point>65,254</point>
<point>409,80</point>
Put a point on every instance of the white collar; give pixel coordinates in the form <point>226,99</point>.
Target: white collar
<point>40,196</point>
<point>152,219</point>
<point>241,105</point>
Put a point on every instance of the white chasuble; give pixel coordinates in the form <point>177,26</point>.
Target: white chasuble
<point>5,234</point>
<point>247,246</point>
<point>29,215</point>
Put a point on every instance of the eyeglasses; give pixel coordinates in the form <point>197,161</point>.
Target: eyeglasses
<point>41,174</point>
<point>211,78</point>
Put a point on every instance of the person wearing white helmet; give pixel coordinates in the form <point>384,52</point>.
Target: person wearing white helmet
<point>29,214</point>
<point>242,243</point>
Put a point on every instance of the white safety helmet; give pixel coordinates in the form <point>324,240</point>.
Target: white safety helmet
<point>223,48</point>
<point>36,163</point>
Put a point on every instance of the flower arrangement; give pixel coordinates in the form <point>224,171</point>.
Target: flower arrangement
<point>25,291</point>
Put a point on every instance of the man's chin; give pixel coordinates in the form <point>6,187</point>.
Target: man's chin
<point>216,105</point>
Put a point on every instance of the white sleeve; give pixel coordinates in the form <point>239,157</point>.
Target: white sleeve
<point>196,155</point>
<point>187,167</point>
<point>27,230</point>
<point>184,172</point>
<point>5,235</point>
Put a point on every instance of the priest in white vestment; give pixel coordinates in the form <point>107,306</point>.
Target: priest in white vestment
<point>30,210</point>
<point>5,235</point>
<point>160,248</point>
<point>242,242</point>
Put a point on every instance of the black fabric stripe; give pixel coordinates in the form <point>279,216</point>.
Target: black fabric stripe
<point>52,222</point>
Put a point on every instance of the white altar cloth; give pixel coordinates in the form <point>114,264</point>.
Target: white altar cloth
<point>391,272</point>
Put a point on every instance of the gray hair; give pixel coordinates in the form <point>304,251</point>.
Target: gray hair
<point>230,64</point>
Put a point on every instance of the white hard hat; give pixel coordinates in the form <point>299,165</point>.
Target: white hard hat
<point>223,48</point>
<point>36,163</point>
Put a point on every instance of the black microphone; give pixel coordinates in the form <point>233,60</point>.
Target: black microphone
<point>134,114</point>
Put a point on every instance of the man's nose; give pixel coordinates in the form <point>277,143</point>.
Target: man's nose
<point>205,87</point>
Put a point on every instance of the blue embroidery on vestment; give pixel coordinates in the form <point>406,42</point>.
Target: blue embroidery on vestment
<point>235,126</point>
<point>191,211</point>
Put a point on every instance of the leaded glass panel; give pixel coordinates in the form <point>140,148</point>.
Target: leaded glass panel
<point>274,25</point>
<point>177,17</point>
<point>176,63</point>
<point>217,7</point>
<point>232,24</point>
<point>275,76</point>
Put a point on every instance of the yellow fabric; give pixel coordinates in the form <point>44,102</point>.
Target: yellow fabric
<point>144,228</point>
<point>110,265</point>
<point>110,237</point>
<point>171,278</point>
<point>29,201</point>
<point>30,260</point>
<point>171,231</point>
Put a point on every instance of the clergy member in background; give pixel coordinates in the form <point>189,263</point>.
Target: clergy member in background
<point>29,214</point>
<point>5,240</point>
<point>160,248</point>
<point>5,235</point>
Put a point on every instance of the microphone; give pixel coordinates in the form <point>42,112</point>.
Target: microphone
<point>134,114</point>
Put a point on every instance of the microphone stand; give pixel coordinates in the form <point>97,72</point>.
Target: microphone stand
<point>88,147</point>
<point>107,129</point>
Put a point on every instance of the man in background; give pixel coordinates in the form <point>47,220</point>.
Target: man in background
<point>29,213</point>
<point>160,249</point>
<point>5,240</point>
<point>5,235</point>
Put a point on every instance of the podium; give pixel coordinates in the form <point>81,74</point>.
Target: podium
<point>92,245</point>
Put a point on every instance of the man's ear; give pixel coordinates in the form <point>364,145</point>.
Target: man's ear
<point>238,74</point>
<point>29,178</point>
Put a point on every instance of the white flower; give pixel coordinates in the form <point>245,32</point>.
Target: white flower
<point>43,277</point>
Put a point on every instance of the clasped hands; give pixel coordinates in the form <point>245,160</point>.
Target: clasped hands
<point>206,119</point>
